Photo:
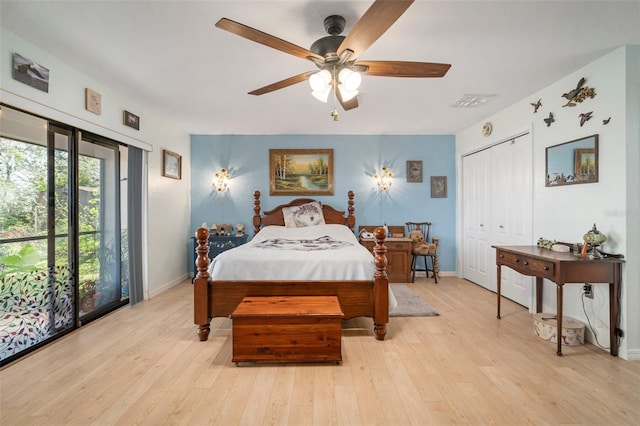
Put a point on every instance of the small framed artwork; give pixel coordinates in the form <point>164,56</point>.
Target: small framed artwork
<point>93,101</point>
<point>28,72</point>
<point>438,187</point>
<point>301,172</point>
<point>414,171</point>
<point>171,164</point>
<point>131,120</point>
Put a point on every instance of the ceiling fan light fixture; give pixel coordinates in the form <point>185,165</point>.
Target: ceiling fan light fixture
<point>320,80</point>
<point>349,79</point>
<point>322,95</point>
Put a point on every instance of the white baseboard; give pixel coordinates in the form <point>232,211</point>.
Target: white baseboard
<point>167,286</point>
<point>632,355</point>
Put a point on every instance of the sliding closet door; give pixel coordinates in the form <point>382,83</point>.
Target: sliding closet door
<point>477,259</point>
<point>497,210</point>
<point>512,209</point>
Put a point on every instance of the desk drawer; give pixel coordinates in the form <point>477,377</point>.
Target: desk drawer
<point>526,265</point>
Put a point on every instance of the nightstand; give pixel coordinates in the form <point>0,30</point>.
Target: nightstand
<point>217,245</point>
<point>398,253</point>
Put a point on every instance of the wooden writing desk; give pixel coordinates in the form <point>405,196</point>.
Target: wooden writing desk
<point>564,268</point>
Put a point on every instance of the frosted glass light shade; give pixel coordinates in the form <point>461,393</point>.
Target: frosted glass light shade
<point>323,95</point>
<point>349,79</point>
<point>320,80</point>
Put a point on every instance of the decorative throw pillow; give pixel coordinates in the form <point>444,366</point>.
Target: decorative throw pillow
<point>304,215</point>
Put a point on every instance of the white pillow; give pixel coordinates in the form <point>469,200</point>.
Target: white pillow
<point>305,215</point>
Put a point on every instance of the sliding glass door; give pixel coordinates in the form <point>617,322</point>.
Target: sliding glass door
<point>102,269</point>
<point>63,255</point>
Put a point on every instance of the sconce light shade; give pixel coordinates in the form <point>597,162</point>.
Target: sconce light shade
<point>383,179</point>
<point>221,180</point>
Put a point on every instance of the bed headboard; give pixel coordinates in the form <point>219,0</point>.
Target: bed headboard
<point>276,217</point>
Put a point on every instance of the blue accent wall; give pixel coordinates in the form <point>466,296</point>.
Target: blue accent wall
<point>356,159</point>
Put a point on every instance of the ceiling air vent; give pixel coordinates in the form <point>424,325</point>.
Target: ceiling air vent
<point>472,101</point>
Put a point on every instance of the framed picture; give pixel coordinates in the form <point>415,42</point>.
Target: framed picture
<point>171,164</point>
<point>28,72</point>
<point>438,187</point>
<point>93,101</point>
<point>414,170</point>
<point>572,162</point>
<point>301,172</point>
<point>131,120</point>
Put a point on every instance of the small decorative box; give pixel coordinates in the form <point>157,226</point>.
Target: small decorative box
<point>545,327</point>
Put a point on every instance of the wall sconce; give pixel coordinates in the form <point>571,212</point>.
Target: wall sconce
<point>221,180</point>
<point>383,179</point>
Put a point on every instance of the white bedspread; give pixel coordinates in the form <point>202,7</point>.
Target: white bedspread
<point>279,253</point>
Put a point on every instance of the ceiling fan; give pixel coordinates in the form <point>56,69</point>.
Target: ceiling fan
<point>336,55</point>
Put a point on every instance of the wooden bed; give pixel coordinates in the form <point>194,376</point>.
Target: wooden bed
<point>367,298</point>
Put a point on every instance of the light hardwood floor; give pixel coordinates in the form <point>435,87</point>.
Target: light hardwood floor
<point>145,365</point>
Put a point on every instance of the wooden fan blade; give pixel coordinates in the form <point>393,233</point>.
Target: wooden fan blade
<point>346,105</point>
<point>404,69</point>
<point>283,83</point>
<point>350,104</point>
<point>265,39</point>
<point>376,20</point>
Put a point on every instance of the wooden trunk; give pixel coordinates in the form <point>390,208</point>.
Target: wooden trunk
<point>287,329</point>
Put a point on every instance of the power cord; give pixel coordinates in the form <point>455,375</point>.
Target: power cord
<point>584,309</point>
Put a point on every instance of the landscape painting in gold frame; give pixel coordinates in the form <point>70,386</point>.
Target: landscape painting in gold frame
<point>301,172</point>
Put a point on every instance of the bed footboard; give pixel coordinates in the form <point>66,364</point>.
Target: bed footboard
<point>357,298</point>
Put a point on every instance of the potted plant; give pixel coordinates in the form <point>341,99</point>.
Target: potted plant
<point>87,295</point>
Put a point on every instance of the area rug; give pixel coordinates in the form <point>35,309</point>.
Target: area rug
<point>410,304</point>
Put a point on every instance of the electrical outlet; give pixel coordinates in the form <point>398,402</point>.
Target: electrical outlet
<point>587,290</point>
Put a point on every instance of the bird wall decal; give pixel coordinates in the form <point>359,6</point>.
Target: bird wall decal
<point>549,120</point>
<point>536,105</point>
<point>606,121</point>
<point>579,94</point>
<point>584,117</point>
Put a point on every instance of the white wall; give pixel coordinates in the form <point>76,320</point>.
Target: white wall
<point>167,217</point>
<point>565,213</point>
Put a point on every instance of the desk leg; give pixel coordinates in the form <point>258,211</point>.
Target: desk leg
<point>614,314</point>
<point>498,289</point>
<point>538,295</point>
<point>560,290</point>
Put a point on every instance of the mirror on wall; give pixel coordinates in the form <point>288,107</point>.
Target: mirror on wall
<point>573,162</point>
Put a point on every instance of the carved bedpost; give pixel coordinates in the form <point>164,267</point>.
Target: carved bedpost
<point>380,286</point>
<point>201,285</point>
<point>256,212</point>
<point>351,220</point>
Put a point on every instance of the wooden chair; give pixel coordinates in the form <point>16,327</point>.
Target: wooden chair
<point>427,250</point>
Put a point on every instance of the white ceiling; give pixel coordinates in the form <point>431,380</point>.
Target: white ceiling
<point>168,57</point>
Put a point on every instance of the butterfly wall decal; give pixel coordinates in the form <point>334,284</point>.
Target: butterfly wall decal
<point>549,120</point>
